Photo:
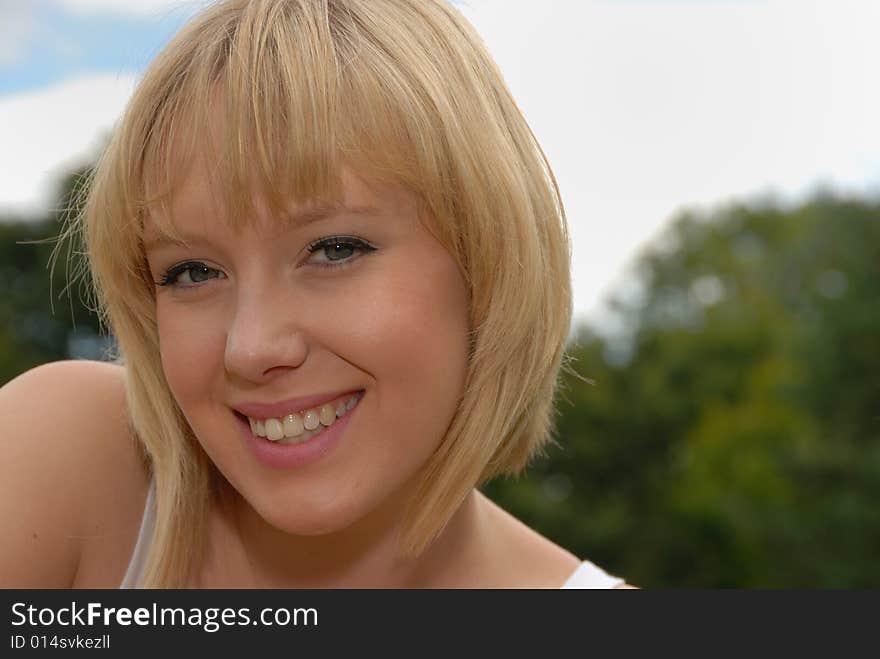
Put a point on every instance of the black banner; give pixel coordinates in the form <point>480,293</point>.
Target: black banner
<point>121,622</point>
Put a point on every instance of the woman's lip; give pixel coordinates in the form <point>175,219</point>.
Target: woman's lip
<point>289,406</point>
<point>276,455</point>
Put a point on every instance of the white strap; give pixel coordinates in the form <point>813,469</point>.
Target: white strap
<point>588,575</point>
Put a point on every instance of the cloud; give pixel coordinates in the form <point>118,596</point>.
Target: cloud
<point>19,28</point>
<point>645,107</point>
<point>141,7</point>
<point>47,132</point>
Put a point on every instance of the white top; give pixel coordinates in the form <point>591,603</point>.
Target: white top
<point>587,575</point>
<point>138,560</point>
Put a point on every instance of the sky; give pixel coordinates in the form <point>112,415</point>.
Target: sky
<point>644,107</point>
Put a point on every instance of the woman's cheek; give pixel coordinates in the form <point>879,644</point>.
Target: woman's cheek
<point>190,346</point>
<point>416,326</point>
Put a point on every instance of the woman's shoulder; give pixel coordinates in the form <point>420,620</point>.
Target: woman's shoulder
<point>532,560</point>
<point>73,480</point>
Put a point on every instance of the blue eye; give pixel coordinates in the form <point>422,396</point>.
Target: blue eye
<point>189,274</point>
<point>338,251</point>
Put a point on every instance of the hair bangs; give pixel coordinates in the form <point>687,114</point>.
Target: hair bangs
<point>273,101</point>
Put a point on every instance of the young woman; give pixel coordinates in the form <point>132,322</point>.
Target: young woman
<point>336,263</point>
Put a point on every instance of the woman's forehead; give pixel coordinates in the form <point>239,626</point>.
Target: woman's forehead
<point>198,204</point>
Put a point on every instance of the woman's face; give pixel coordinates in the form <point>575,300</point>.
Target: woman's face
<point>251,320</point>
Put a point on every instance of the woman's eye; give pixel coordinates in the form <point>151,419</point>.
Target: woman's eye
<point>191,273</point>
<point>337,251</point>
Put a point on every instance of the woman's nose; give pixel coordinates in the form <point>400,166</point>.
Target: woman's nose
<point>264,339</point>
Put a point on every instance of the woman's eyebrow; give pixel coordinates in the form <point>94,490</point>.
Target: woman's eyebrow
<point>304,216</point>
<point>157,237</point>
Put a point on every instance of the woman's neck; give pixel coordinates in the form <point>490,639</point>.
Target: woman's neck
<point>246,551</point>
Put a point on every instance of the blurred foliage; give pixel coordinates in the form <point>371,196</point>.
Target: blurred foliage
<point>731,437</point>
<point>44,313</point>
<point>729,434</point>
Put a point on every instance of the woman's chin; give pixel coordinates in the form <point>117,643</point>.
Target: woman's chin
<point>309,520</point>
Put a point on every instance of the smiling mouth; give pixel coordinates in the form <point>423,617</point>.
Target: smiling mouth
<point>298,427</point>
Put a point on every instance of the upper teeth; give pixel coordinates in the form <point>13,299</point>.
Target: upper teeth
<point>300,425</point>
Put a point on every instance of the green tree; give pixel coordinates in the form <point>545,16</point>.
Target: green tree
<point>43,313</point>
<point>731,437</point>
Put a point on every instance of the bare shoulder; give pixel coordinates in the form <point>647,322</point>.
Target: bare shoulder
<point>528,559</point>
<point>533,561</point>
<point>73,481</point>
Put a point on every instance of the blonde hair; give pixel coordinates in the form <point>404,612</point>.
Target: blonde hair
<point>404,90</point>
